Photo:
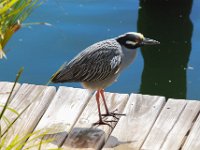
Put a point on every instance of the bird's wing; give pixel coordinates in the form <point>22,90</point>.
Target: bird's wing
<point>95,63</point>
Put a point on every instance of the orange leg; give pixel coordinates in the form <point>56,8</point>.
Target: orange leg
<point>104,101</point>
<point>101,122</point>
<point>113,114</point>
<point>98,106</point>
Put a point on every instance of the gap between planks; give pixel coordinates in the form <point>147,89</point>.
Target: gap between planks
<point>173,123</point>
<point>86,136</point>
<point>36,99</point>
<point>132,130</point>
<point>61,115</point>
<point>5,89</point>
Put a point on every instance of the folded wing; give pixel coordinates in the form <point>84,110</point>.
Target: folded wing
<point>95,63</point>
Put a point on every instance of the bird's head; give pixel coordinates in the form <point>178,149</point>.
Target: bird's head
<point>133,40</point>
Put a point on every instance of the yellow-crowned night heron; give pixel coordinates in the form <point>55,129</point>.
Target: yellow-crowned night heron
<point>100,64</point>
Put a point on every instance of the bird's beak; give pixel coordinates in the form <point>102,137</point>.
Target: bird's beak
<point>148,41</point>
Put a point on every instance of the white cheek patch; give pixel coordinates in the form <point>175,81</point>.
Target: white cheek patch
<point>131,43</point>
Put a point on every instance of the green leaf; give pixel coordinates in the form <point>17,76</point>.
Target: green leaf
<point>12,14</point>
<point>7,6</point>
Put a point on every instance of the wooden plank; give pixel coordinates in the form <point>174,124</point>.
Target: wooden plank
<point>193,140</point>
<point>5,89</point>
<point>131,130</point>
<point>61,115</point>
<point>164,123</point>
<point>84,134</point>
<point>177,135</point>
<point>38,99</point>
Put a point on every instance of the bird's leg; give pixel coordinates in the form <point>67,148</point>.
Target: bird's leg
<point>100,122</point>
<point>104,100</point>
<point>113,114</point>
<point>98,106</point>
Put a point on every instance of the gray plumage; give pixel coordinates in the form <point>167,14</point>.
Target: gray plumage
<point>95,63</point>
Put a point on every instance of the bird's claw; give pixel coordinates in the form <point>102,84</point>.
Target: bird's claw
<point>113,114</point>
<point>104,121</point>
<point>101,122</point>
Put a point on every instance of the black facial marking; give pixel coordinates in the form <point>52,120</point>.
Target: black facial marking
<point>129,37</point>
<point>131,46</point>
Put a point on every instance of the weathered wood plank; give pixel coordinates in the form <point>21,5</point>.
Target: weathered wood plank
<point>5,89</point>
<point>61,115</point>
<point>177,135</point>
<point>84,134</point>
<point>131,130</point>
<point>38,99</point>
<point>164,123</point>
<point>193,140</point>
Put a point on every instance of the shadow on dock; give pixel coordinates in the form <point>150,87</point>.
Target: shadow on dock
<point>78,138</point>
<point>85,138</point>
<point>165,65</point>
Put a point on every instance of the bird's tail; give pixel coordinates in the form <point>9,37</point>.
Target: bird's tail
<point>53,78</point>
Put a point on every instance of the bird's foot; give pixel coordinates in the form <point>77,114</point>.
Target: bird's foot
<point>113,114</point>
<point>104,122</point>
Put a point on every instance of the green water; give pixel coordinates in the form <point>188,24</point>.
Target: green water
<point>165,67</point>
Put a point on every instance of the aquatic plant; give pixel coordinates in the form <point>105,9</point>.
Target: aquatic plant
<point>12,14</point>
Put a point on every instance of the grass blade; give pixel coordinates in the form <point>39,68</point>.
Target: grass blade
<point>9,97</point>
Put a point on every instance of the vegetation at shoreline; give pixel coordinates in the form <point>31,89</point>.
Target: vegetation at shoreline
<point>12,14</point>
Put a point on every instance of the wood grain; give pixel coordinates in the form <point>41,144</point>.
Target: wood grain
<point>164,124</point>
<point>37,98</point>
<point>193,140</point>
<point>5,89</point>
<point>177,135</point>
<point>131,131</point>
<point>61,115</point>
<point>86,136</point>
<point>67,117</point>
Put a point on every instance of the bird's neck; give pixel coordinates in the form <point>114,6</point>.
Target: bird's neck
<point>128,56</point>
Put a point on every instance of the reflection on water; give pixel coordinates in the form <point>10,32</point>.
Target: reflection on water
<point>165,65</point>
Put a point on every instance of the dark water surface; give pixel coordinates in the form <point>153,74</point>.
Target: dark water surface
<point>171,69</point>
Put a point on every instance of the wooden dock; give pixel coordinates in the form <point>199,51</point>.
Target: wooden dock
<point>67,114</point>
